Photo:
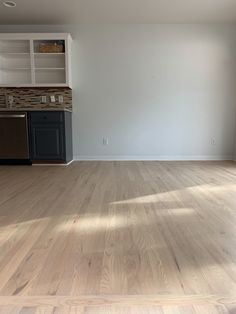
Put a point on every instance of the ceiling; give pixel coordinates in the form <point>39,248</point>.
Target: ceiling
<point>118,11</point>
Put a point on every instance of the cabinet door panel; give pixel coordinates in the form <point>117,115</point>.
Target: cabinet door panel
<point>47,142</point>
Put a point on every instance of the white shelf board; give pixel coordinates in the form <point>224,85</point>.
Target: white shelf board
<point>35,36</point>
<point>49,53</point>
<point>16,85</point>
<point>50,69</point>
<point>51,85</point>
<point>35,85</point>
<point>15,53</point>
<point>15,69</point>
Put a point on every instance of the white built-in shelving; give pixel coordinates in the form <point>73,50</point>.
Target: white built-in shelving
<point>23,64</point>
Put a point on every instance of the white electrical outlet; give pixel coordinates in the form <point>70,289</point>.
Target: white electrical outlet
<point>60,99</point>
<point>52,99</point>
<point>213,141</point>
<point>105,141</point>
<point>10,100</point>
<point>43,99</point>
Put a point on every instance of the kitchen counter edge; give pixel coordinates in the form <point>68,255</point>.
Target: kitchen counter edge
<point>34,109</point>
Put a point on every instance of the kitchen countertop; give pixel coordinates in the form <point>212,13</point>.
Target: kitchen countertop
<point>34,109</point>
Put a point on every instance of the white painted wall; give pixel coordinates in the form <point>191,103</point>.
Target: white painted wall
<point>155,91</point>
<point>235,147</point>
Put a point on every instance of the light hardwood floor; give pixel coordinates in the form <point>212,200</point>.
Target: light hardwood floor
<point>118,237</point>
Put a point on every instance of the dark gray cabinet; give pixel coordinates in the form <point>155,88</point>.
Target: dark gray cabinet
<point>47,142</point>
<point>50,136</point>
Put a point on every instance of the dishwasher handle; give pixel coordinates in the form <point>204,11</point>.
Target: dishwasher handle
<point>23,115</point>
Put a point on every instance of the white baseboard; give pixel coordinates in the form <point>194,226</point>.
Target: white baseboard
<point>54,165</point>
<point>152,158</point>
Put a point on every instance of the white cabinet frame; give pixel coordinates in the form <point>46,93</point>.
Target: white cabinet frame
<point>33,76</point>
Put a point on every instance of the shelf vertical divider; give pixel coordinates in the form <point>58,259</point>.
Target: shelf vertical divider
<point>32,62</point>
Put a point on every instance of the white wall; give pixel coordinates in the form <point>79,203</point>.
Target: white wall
<point>155,91</point>
<point>235,147</point>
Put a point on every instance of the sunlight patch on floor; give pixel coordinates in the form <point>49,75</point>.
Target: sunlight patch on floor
<point>94,223</point>
<point>178,211</point>
<point>169,195</point>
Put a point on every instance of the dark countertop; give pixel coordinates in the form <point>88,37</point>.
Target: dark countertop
<point>34,109</point>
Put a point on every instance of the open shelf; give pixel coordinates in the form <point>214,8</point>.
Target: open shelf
<point>15,61</point>
<point>49,60</point>
<point>14,46</point>
<point>15,76</point>
<point>38,44</point>
<point>49,66</point>
<point>35,60</point>
<point>45,76</point>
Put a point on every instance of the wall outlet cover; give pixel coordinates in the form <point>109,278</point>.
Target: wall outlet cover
<point>105,141</point>
<point>52,99</point>
<point>10,99</point>
<point>43,99</point>
<point>60,99</point>
<point>213,141</point>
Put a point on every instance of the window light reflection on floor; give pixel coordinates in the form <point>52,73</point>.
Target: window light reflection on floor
<point>93,224</point>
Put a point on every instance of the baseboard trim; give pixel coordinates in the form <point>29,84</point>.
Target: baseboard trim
<point>154,158</point>
<point>54,165</point>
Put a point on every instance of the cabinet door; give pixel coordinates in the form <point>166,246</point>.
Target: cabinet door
<point>47,142</point>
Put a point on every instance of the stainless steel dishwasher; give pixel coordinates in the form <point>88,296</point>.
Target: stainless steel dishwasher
<point>14,142</point>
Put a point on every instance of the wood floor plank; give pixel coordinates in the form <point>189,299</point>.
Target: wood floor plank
<point>102,237</point>
<point>119,300</point>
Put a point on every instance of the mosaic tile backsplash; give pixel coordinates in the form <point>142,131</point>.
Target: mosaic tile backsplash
<point>30,98</point>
